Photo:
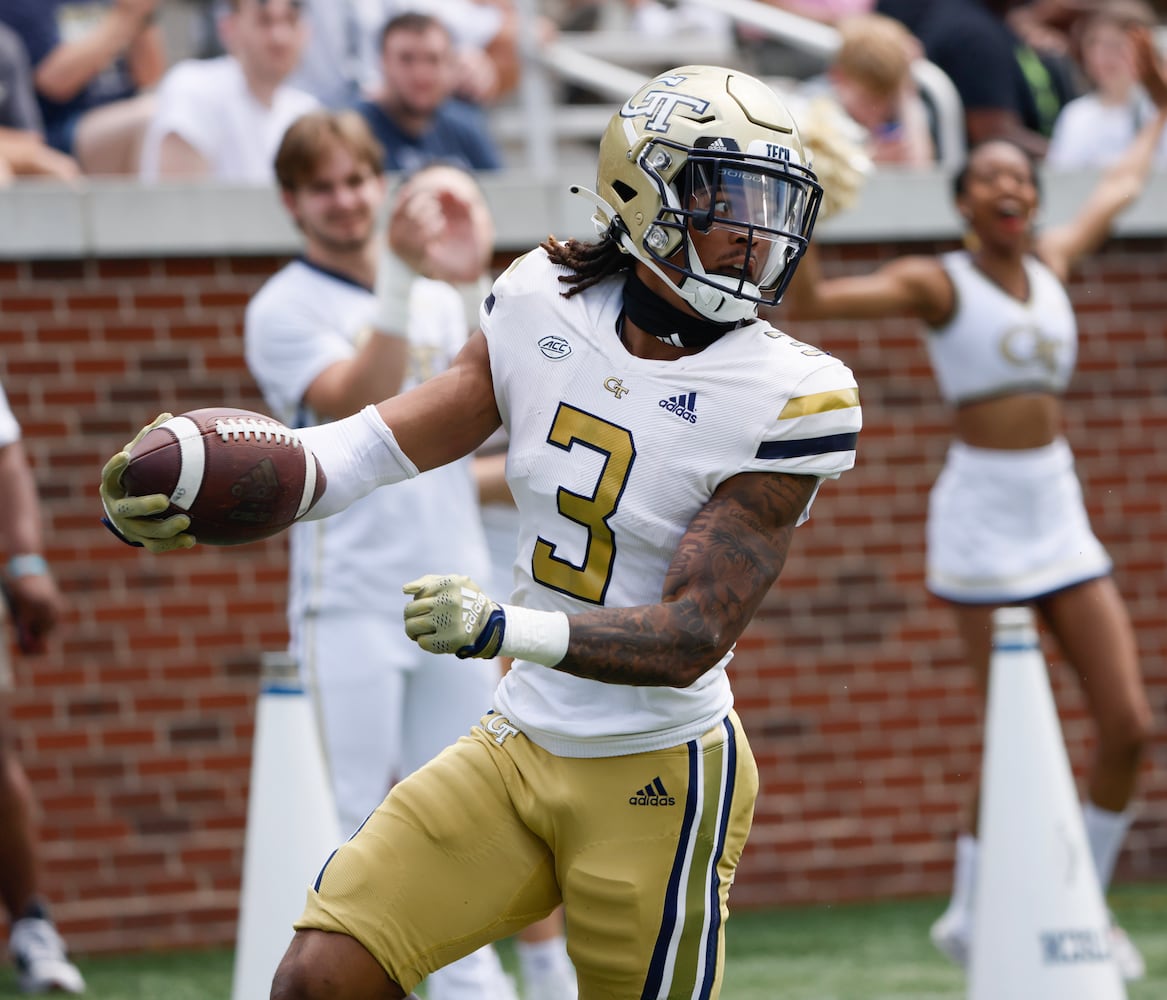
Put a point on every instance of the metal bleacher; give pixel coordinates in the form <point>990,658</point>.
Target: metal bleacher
<point>539,130</point>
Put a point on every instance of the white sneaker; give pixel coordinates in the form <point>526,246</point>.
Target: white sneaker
<point>952,935</point>
<point>478,976</point>
<point>554,984</point>
<point>1126,956</point>
<point>39,955</point>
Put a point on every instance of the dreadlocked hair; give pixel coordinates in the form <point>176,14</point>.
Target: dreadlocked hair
<point>589,263</point>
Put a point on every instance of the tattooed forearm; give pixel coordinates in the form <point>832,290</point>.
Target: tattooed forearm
<point>723,568</point>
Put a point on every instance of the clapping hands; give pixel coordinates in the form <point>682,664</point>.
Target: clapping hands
<point>440,226</point>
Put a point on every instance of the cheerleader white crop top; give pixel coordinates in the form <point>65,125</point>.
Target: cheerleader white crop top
<point>996,345</point>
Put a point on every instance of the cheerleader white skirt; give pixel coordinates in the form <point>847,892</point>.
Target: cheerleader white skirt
<point>1009,526</point>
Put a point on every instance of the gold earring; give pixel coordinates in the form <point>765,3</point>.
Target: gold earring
<point>971,241</point>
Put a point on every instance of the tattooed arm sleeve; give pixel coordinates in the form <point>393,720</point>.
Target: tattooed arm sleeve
<point>724,566</point>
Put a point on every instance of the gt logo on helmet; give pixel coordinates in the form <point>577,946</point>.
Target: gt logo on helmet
<point>658,105</point>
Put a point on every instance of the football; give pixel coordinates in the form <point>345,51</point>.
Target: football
<point>240,476</point>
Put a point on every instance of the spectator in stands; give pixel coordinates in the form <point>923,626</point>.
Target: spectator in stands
<point>91,60</point>
<point>416,118</point>
<point>33,942</point>
<point>1094,129</point>
<point>225,117</point>
<point>341,63</point>
<point>1008,91</point>
<point>1047,24</point>
<point>23,150</point>
<point>338,65</point>
<point>486,43</point>
<point>871,77</point>
<point>772,56</point>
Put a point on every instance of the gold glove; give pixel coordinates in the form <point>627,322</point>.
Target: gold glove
<point>451,614</point>
<point>134,519</point>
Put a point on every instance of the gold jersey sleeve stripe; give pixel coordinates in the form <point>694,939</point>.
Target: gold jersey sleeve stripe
<point>820,402</point>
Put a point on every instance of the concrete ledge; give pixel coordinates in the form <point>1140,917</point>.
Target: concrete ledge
<point>124,219</point>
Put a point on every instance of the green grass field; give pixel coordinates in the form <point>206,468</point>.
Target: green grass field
<point>875,951</point>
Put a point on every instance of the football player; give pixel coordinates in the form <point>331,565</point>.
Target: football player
<point>613,775</point>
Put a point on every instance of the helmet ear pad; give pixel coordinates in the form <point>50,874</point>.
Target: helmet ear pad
<point>641,205</point>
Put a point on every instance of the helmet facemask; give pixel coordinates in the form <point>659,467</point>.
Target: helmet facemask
<point>765,210</point>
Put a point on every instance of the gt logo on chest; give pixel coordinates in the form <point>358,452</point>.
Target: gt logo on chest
<point>616,386</point>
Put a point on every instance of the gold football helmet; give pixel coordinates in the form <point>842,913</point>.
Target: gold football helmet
<point>700,148</point>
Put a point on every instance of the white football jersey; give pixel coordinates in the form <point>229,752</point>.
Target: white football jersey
<point>610,458</point>
<point>303,320</point>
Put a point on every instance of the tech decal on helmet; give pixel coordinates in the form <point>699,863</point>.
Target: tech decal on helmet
<point>701,148</point>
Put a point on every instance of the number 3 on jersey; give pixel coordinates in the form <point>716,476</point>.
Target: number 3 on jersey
<point>589,582</point>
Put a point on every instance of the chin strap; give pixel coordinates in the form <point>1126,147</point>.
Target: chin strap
<point>713,303</point>
<point>717,304</point>
<point>668,322</point>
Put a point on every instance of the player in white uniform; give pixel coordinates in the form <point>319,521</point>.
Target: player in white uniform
<point>664,444</point>
<point>385,706</point>
<point>1006,520</point>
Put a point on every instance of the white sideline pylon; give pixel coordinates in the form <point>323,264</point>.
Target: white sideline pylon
<point>292,826</point>
<point>1040,927</point>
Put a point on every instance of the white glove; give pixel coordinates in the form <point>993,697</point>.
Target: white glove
<point>134,519</point>
<point>451,614</point>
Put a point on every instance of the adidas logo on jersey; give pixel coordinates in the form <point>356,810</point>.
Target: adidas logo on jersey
<point>652,794</point>
<point>684,406</point>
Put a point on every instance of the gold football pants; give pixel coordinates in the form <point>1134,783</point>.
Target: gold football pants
<point>495,832</point>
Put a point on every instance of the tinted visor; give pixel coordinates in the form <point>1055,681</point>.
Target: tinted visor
<point>770,204</point>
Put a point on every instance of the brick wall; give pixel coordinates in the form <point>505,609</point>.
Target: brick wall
<point>136,729</point>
